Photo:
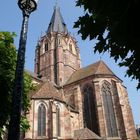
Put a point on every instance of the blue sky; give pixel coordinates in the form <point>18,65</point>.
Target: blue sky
<point>11,19</point>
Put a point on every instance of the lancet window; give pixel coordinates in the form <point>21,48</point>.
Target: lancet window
<point>90,116</point>
<point>109,110</point>
<point>41,120</point>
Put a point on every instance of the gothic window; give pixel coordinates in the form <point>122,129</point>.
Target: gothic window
<point>43,48</point>
<point>70,47</point>
<point>41,120</point>
<point>59,41</point>
<point>72,100</point>
<point>109,110</point>
<point>58,128</point>
<point>46,47</point>
<point>55,66</point>
<point>90,116</point>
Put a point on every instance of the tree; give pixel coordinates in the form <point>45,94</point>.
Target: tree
<point>7,69</point>
<point>116,26</point>
<point>7,74</point>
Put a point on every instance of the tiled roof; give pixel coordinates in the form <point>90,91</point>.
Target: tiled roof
<point>47,90</point>
<point>85,134</point>
<point>94,69</point>
<point>57,23</point>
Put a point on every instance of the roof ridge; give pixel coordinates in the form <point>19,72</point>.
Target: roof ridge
<point>47,90</point>
<point>36,89</point>
<point>86,133</point>
<point>98,68</point>
<point>98,64</point>
<point>101,62</point>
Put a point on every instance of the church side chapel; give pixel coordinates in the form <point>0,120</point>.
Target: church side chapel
<point>72,102</point>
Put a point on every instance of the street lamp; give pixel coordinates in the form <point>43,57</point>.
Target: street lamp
<point>27,7</point>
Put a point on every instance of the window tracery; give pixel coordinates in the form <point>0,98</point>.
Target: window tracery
<point>90,116</point>
<point>41,120</point>
<point>46,47</point>
<point>109,110</point>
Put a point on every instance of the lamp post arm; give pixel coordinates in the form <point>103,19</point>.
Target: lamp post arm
<point>14,124</point>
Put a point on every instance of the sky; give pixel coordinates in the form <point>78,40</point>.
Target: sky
<point>11,20</point>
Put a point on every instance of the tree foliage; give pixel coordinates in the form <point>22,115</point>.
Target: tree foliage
<point>8,57</point>
<point>7,70</point>
<point>118,19</point>
<point>28,86</point>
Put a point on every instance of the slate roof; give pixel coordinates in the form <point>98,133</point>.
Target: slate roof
<point>57,23</point>
<point>47,90</point>
<point>86,134</point>
<point>94,69</point>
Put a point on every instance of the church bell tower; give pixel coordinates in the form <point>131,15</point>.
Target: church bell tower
<point>57,55</point>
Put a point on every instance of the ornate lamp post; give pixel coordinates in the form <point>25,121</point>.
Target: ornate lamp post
<point>27,7</point>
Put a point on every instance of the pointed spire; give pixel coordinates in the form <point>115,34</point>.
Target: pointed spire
<point>57,23</point>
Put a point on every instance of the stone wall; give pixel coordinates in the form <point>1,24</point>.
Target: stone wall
<point>61,58</point>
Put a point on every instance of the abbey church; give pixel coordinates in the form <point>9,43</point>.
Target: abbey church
<point>72,102</point>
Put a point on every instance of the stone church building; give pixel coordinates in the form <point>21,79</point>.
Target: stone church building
<point>71,102</point>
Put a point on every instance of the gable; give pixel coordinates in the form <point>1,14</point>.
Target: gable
<point>46,91</point>
<point>85,134</point>
<point>98,68</point>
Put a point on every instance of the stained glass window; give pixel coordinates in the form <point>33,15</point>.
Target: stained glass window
<point>109,110</point>
<point>58,128</point>
<point>90,116</point>
<point>41,120</point>
<point>46,47</point>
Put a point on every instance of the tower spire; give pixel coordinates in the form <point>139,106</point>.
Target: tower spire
<point>52,54</point>
<point>57,23</point>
